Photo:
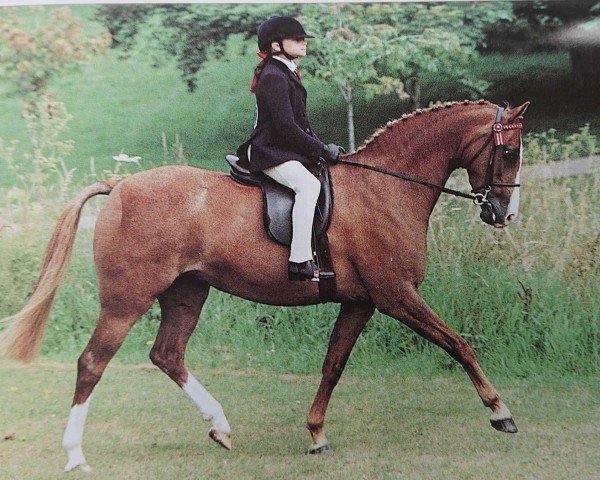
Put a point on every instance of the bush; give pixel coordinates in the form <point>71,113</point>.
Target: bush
<point>547,147</point>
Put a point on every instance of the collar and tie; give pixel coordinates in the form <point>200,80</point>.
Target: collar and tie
<point>291,65</point>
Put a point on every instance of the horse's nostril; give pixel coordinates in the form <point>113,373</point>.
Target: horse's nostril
<point>511,217</point>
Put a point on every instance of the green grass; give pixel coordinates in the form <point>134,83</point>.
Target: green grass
<point>401,426</point>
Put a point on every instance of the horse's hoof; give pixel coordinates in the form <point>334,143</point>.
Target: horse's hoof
<point>83,468</point>
<point>324,449</point>
<point>223,439</point>
<point>504,425</point>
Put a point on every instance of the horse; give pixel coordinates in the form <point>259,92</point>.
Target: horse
<point>173,232</point>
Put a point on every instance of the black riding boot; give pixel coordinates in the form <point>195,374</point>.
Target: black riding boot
<point>305,271</point>
<point>308,271</point>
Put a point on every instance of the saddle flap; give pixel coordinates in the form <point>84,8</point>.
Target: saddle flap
<point>278,200</point>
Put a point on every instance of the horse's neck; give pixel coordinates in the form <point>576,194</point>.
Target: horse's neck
<point>423,147</point>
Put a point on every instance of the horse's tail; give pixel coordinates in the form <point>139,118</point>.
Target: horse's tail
<point>24,332</point>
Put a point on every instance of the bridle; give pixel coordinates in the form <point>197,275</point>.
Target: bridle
<point>478,197</point>
<point>497,128</point>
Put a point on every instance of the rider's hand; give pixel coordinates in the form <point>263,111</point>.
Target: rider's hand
<point>332,152</point>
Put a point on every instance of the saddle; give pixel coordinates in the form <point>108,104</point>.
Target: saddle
<point>278,202</point>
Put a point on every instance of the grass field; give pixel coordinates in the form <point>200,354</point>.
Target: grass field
<point>141,426</point>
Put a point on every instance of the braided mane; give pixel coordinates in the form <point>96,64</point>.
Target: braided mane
<point>420,111</point>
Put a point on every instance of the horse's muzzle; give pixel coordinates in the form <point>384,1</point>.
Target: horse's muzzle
<point>493,214</point>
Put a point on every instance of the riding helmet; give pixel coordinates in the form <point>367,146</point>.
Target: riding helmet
<point>275,29</point>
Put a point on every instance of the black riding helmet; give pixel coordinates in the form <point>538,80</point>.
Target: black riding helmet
<point>275,29</point>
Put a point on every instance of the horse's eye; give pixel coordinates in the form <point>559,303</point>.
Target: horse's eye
<point>511,153</point>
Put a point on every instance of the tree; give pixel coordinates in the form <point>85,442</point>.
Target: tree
<point>385,48</point>
<point>345,51</point>
<point>30,60</point>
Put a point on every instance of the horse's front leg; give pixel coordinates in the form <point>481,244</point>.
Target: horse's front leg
<point>350,322</point>
<point>410,309</point>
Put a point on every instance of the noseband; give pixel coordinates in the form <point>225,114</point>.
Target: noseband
<point>479,198</point>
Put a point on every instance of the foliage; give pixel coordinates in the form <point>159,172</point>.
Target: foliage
<point>123,22</point>
<point>43,181</point>
<point>46,121</point>
<point>189,33</point>
<point>408,39</point>
<point>546,146</point>
<point>30,60</point>
<point>381,48</point>
<point>556,13</point>
<point>535,23</point>
<point>385,48</point>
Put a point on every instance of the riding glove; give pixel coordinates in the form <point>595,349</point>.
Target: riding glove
<point>332,152</point>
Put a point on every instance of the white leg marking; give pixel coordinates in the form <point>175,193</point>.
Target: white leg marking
<point>206,403</point>
<point>321,441</point>
<point>73,436</point>
<point>513,205</point>
<point>503,413</point>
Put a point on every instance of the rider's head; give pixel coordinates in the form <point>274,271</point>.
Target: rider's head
<point>282,36</point>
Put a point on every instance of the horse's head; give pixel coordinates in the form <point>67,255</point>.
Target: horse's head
<point>494,168</point>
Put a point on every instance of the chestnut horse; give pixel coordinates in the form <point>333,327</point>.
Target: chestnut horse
<point>173,232</point>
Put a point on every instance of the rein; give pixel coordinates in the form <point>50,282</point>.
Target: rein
<point>385,171</point>
<point>478,198</point>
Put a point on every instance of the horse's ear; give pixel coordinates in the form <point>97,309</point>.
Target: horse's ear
<point>517,112</point>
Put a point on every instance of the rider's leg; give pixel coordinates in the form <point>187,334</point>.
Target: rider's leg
<point>294,175</point>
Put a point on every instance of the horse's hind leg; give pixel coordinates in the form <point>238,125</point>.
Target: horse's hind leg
<point>181,305</point>
<point>114,324</point>
<point>416,314</point>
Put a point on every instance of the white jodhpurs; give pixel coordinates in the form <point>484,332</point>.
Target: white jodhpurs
<point>294,175</point>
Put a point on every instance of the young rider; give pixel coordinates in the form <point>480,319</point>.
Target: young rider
<point>282,140</point>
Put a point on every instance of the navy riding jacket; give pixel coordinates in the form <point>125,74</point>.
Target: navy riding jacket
<point>282,131</point>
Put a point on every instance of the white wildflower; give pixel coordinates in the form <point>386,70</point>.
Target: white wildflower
<point>123,157</point>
